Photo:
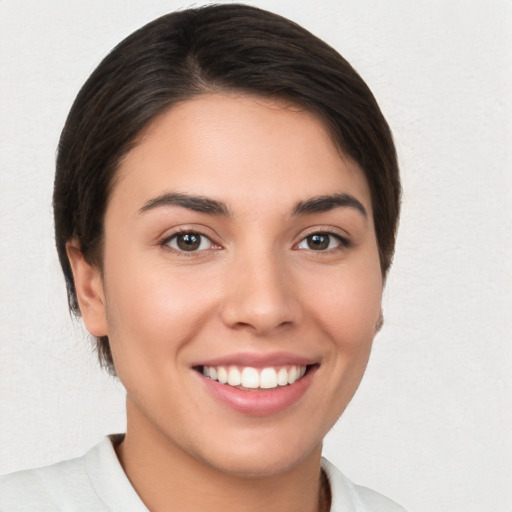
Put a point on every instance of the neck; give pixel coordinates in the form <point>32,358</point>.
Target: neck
<point>166,477</point>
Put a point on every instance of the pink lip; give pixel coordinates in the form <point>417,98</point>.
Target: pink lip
<point>257,360</point>
<point>259,402</point>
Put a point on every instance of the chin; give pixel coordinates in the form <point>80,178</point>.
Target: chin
<point>259,459</point>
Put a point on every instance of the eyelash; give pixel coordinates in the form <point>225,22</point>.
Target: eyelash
<point>343,243</point>
<point>183,252</point>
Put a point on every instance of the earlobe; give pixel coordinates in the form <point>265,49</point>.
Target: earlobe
<point>380,322</point>
<point>89,290</point>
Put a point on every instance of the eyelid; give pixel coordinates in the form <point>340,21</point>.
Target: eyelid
<point>344,239</point>
<point>328,229</point>
<point>185,230</point>
<point>177,229</point>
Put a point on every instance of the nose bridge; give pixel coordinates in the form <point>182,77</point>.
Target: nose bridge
<point>259,294</point>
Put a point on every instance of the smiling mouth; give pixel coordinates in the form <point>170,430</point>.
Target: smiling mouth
<point>252,378</point>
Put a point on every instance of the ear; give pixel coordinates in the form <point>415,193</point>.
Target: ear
<point>380,322</point>
<point>89,290</point>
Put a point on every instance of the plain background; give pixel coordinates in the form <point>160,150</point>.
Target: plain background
<point>431,424</point>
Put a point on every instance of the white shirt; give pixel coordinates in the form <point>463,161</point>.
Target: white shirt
<point>96,482</point>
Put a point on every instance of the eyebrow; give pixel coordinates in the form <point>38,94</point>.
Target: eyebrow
<point>209,206</point>
<point>326,203</point>
<point>196,203</point>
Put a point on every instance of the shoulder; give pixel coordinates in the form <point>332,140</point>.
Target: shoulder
<point>347,496</point>
<point>45,489</point>
<point>85,484</point>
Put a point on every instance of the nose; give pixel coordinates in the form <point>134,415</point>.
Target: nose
<point>260,296</point>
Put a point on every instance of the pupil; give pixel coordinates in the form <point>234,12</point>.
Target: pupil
<point>318,242</point>
<point>188,242</point>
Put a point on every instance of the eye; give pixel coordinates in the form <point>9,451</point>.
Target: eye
<point>189,242</point>
<point>321,242</point>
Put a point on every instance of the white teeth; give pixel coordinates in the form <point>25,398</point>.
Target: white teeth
<point>268,378</point>
<point>292,375</point>
<point>234,377</point>
<point>251,378</point>
<point>282,377</point>
<point>222,374</point>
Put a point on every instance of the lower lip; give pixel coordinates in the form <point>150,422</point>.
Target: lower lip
<point>259,402</point>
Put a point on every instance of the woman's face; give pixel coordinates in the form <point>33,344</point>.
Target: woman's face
<point>239,244</point>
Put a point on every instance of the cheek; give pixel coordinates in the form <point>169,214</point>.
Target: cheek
<point>151,311</point>
<point>347,308</point>
<point>349,305</point>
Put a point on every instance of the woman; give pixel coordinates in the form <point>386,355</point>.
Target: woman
<point>226,201</point>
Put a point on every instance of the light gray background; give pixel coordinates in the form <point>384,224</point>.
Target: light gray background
<point>431,423</point>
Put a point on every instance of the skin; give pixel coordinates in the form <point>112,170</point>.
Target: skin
<point>255,286</point>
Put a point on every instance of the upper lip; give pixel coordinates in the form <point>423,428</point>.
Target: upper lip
<point>257,360</point>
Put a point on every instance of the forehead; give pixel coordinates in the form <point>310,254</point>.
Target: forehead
<point>238,148</point>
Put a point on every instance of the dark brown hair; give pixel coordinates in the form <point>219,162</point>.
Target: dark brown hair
<point>196,51</point>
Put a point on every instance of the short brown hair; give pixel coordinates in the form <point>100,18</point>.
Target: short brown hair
<point>196,51</point>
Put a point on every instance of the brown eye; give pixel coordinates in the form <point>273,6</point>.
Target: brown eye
<point>320,242</point>
<point>189,242</point>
